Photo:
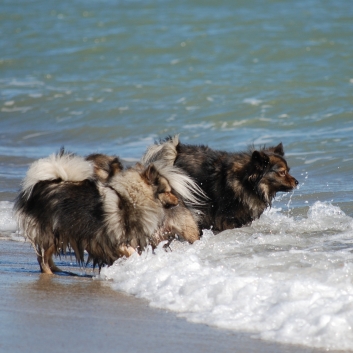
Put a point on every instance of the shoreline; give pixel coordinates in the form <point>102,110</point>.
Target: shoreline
<point>41,313</point>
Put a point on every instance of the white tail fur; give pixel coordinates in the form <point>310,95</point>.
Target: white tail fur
<point>165,151</point>
<point>163,156</point>
<point>64,166</point>
<point>185,186</point>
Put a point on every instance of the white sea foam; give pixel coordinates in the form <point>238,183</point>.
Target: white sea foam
<point>7,221</point>
<point>252,101</point>
<point>283,279</point>
<point>8,224</point>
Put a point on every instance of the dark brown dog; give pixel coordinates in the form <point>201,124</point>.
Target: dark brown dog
<point>64,204</point>
<point>240,186</point>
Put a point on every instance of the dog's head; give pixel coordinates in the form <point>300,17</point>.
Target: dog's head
<point>105,166</point>
<point>135,203</point>
<point>161,187</point>
<point>268,173</point>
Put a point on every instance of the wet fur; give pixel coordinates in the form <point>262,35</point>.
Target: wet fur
<point>63,204</point>
<point>180,222</point>
<point>240,186</point>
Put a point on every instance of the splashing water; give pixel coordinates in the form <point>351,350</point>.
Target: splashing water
<point>283,279</point>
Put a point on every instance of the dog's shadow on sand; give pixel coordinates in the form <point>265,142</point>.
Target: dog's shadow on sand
<point>69,267</point>
<point>72,274</point>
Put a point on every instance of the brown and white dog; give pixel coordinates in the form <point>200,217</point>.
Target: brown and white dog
<point>64,204</point>
<point>180,222</point>
<point>240,186</point>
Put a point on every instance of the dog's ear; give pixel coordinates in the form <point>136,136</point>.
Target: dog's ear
<point>162,187</point>
<point>115,166</point>
<point>151,174</point>
<point>277,149</point>
<point>259,162</point>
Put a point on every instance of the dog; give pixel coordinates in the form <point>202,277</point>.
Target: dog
<point>180,222</point>
<point>64,204</point>
<point>105,167</point>
<point>240,186</point>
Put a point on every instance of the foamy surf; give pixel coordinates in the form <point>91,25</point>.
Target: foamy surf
<point>286,279</point>
<point>8,225</point>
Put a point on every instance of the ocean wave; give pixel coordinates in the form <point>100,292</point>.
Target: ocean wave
<point>285,279</point>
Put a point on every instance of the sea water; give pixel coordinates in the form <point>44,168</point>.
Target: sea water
<point>287,279</point>
<point>114,76</point>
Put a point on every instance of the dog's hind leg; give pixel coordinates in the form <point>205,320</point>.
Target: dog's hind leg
<point>44,265</point>
<point>46,262</point>
<point>53,267</point>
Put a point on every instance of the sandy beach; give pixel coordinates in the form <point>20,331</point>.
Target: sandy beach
<point>42,313</point>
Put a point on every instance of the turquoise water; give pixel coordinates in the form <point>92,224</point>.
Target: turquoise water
<point>114,76</point>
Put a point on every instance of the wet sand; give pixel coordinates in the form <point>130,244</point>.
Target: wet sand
<point>43,313</point>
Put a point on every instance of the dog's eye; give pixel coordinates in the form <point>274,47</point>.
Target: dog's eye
<point>282,173</point>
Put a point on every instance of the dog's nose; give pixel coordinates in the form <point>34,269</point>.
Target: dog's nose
<point>296,181</point>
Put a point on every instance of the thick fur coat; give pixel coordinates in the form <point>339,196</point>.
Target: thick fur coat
<point>240,186</point>
<point>64,204</point>
<point>180,222</point>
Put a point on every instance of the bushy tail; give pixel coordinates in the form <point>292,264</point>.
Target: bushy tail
<point>63,165</point>
<point>182,184</point>
<point>163,156</point>
<point>163,151</point>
